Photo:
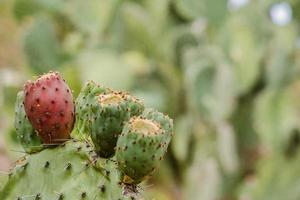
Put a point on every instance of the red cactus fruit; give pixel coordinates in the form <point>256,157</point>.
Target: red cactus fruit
<point>50,108</point>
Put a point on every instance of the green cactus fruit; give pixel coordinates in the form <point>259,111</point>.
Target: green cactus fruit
<point>83,105</point>
<point>71,171</point>
<point>112,109</point>
<point>25,132</point>
<point>142,144</point>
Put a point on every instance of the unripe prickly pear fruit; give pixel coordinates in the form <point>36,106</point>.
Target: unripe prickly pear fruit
<point>25,132</point>
<point>142,145</point>
<point>49,107</point>
<point>111,110</point>
<point>84,101</point>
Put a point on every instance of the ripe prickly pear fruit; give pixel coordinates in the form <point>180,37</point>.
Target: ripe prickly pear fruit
<point>83,105</point>
<point>111,110</point>
<point>142,144</point>
<point>49,107</point>
<point>25,132</point>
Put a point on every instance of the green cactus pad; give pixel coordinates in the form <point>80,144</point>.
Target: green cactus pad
<point>112,109</point>
<point>25,132</point>
<point>83,105</point>
<point>71,171</point>
<point>142,144</point>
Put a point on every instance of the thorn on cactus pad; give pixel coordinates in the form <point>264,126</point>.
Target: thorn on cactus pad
<point>83,195</point>
<point>60,196</point>
<point>25,166</point>
<point>69,166</point>
<point>38,196</point>
<point>102,188</point>
<point>46,165</point>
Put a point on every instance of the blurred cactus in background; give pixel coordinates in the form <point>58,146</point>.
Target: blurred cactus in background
<point>227,72</point>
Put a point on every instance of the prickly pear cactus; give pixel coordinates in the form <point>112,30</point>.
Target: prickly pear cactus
<point>84,166</point>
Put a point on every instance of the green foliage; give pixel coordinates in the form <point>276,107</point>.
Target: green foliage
<point>23,8</point>
<point>41,46</point>
<point>228,76</point>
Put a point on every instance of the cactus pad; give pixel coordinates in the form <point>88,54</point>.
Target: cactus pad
<point>71,171</point>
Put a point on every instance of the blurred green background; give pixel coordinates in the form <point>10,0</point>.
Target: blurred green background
<point>227,72</point>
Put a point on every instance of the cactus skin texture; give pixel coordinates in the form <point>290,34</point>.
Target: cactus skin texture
<point>142,144</point>
<point>49,107</point>
<point>71,171</point>
<point>25,132</point>
<point>84,101</point>
<point>112,109</point>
